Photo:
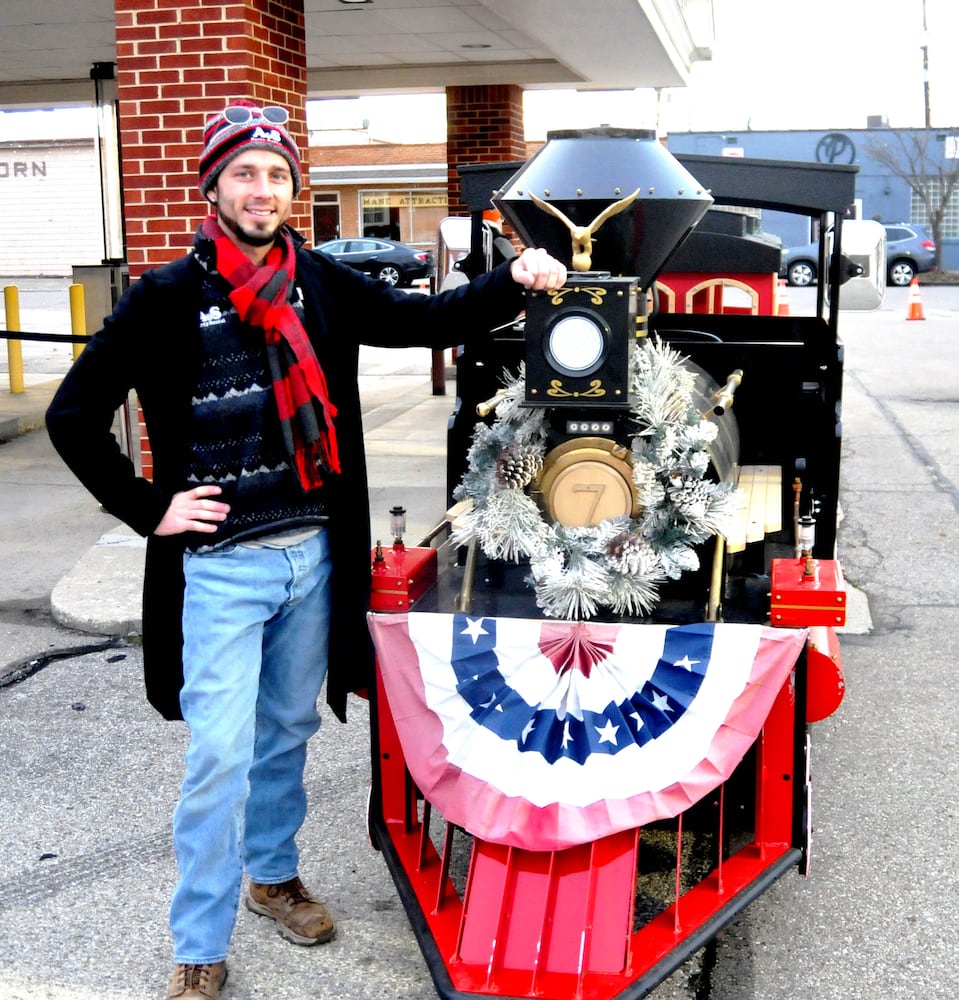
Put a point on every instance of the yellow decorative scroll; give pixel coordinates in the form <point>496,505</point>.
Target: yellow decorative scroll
<point>596,293</point>
<point>594,391</point>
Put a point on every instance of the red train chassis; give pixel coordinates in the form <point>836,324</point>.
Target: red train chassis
<point>571,923</point>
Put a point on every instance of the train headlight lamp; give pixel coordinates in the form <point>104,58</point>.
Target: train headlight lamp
<point>576,344</point>
<point>578,341</point>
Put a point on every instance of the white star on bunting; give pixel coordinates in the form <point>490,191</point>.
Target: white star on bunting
<point>661,702</point>
<point>474,629</point>
<point>607,733</point>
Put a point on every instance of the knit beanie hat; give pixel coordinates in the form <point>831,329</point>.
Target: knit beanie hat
<point>246,125</point>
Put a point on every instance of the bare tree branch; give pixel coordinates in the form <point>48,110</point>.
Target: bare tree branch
<point>918,158</point>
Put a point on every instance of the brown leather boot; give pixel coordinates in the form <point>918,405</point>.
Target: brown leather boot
<point>197,982</point>
<point>299,917</point>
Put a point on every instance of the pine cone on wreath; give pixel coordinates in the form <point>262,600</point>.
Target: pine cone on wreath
<point>631,554</point>
<point>517,466</point>
<point>690,496</point>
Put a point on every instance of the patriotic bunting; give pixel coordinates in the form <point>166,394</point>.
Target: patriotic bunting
<point>544,734</point>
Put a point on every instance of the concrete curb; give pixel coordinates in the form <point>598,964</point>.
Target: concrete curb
<point>25,411</point>
<point>103,592</point>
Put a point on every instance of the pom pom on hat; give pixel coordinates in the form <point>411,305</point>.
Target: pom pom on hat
<point>223,140</point>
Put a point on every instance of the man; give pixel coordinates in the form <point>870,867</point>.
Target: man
<point>244,357</point>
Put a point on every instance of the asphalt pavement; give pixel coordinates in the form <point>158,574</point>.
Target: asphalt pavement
<point>92,774</point>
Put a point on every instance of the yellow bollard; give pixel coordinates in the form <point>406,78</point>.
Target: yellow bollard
<point>11,303</point>
<point>78,317</point>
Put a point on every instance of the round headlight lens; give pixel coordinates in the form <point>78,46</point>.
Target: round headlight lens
<point>576,345</point>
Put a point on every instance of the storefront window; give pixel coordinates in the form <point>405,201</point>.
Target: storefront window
<point>408,216</point>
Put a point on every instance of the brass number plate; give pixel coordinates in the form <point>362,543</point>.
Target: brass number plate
<point>587,493</point>
<point>585,481</point>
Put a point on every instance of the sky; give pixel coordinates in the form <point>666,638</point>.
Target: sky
<point>774,67</point>
<point>777,64</point>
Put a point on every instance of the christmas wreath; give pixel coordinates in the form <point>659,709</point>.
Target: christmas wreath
<point>620,562</point>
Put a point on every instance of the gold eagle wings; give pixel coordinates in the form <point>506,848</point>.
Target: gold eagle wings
<point>582,236</point>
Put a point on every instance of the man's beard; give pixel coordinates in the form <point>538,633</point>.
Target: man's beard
<point>252,239</point>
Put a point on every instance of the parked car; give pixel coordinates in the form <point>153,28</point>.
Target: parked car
<point>392,262</point>
<point>909,252</point>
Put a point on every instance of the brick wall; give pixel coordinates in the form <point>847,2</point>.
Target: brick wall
<point>484,124</point>
<point>178,61</point>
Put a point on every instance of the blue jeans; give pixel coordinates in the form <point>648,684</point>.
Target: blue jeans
<point>255,627</point>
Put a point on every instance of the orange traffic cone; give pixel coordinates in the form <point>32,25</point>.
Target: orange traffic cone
<point>782,299</point>
<point>914,310</point>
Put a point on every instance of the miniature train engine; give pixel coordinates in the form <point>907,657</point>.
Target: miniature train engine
<point>589,760</point>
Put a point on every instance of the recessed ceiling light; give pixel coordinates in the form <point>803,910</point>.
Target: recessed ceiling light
<point>476,45</point>
<point>356,1</point>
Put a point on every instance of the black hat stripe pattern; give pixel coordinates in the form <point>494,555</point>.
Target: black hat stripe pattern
<point>227,141</point>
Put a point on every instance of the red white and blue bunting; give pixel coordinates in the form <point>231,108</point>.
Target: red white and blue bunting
<point>543,735</point>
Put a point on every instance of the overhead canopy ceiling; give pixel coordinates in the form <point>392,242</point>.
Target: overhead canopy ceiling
<point>48,47</point>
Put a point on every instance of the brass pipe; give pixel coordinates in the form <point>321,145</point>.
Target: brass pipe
<point>797,496</point>
<point>433,533</point>
<point>724,396</point>
<point>464,600</point>
<point>716,580</point>
<point>485,408</point>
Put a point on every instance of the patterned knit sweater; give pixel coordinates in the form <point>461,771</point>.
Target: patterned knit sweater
<point>236,441</point>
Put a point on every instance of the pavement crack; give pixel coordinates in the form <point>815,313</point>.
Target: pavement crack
<point>26,668</point>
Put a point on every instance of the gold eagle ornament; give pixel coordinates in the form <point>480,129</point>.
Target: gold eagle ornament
<point>582,236</point>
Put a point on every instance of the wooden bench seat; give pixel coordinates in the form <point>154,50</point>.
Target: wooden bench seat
<point>761,509</point>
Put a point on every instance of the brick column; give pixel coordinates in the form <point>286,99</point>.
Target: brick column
<point>178,61</point>
<point>483,125</point>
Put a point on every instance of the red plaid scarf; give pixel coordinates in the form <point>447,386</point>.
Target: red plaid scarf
<point>261,298</point>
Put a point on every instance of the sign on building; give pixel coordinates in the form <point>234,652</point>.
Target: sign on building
<point>50,204</point>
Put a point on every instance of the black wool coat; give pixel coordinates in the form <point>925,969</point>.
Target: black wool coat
<point>151,344</point>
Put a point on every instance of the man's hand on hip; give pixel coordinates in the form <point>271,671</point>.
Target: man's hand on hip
<point>192,510</point>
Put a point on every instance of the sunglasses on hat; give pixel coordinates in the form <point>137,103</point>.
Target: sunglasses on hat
<point>237,115</point>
